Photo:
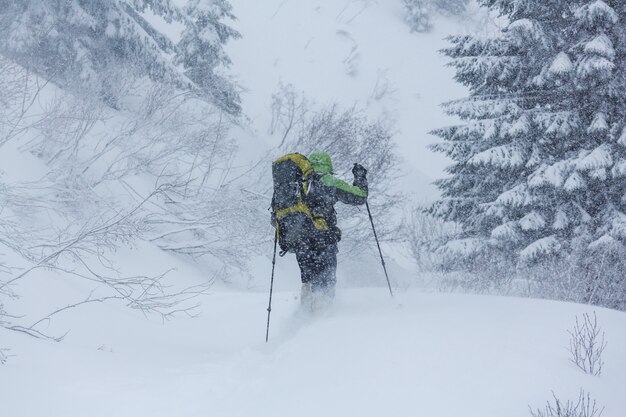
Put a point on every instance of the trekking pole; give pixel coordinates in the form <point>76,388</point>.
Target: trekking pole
<point>369,212</point>
<point>269,307</point>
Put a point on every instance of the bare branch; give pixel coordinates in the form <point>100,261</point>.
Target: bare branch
<point>583,407</point>
<point>587,344</point>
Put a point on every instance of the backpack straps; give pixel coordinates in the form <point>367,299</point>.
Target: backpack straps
<point>318,221</point>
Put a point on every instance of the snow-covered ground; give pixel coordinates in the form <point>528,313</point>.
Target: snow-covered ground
<point>417,354</point>
<point>420,353</point>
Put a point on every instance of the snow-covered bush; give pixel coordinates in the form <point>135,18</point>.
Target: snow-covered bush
<point>348,136</point>
<point>587,345</point>
<point>538,173</point>
<point>132,142</point>
<point>583,407</point>
<point>423,235</point>
<point>158,169</point>
<point>289,111</point>
<point>46,234</point>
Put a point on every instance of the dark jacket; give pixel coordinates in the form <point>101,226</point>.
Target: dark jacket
<point>325,191</point>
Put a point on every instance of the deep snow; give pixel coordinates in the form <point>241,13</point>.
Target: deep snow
<point>417,354</point>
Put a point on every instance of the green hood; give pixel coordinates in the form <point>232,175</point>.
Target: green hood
<point>321,162</point>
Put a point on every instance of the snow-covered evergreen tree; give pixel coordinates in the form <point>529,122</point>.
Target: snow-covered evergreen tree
<point>82,44</point>
<point>98,46</point>
<point>418,13</point>
<point>200,50</point>
<point>451,7</point>
<point>539,167</point>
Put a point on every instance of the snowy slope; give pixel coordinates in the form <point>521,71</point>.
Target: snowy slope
<point>419,354</point>
<point>352,52</point>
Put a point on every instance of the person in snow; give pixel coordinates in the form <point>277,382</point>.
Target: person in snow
<point>317,256</point>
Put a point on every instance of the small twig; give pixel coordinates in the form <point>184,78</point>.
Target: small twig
<point>70,306</point>
<point>35,333</point>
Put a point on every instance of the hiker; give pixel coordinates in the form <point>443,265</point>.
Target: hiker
<point>315,241</point>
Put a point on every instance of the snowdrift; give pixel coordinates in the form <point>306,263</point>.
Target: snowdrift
<point>417,354</point>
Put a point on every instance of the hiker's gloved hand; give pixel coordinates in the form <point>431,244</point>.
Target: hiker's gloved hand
<point>359,171</point>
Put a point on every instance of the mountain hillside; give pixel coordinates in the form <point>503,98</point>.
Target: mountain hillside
<point>419,353</point>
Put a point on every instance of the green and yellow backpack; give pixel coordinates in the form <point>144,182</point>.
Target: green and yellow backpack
<point>295,223</point>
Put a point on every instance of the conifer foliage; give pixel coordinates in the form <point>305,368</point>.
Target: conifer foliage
<point>539,172</point>
<point>95,46</point>
<point>201,53</point>
<point>418,13</point>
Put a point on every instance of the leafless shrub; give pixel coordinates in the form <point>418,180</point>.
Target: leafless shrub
<point>166,135</point>
<point>2,314</point>
<point>599,274</point>
<point>3,322</point>
<point>587,277</point>
<point>72,219</point>
<point>86,252</point>
<point>348,136</point>
<point>587,344</point>
<point>20,91</point>
<point>592,273</point>
<point>208,225</point>
<point>583,407</point>
<point>289,110</point>
<point>383,88</point>
<point>423,233</point>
